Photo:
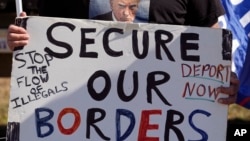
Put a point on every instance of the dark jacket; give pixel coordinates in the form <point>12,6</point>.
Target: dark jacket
<point>78,9</point>
<point>106,17</point>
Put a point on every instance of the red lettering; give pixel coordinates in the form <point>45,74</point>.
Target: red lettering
<point>144,125</point>
<point>76,124</point>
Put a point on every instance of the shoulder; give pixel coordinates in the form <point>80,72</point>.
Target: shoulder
<point>105,16</point>
<point>204,13</point>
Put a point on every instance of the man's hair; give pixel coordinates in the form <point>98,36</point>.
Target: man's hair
<point>113,0</point>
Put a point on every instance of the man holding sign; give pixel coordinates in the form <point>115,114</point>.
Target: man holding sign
<point>196,13</point>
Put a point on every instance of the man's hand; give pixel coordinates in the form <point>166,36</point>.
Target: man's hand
<point>231,91</point>
<point>17,36</point>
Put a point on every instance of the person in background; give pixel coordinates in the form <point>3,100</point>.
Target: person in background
<point>237,19</point>
<point>202,13</point>
<point>121,10</point>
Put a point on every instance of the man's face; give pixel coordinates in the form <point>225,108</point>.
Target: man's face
<point>124,10</point>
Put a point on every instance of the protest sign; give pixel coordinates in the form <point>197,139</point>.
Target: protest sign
<point>96,80</point>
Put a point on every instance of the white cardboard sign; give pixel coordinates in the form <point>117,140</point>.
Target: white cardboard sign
<point>94,80</point>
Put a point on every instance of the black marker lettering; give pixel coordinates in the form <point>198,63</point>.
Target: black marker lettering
<point>185,46</point>
<point>59,43</point>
